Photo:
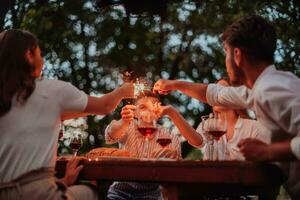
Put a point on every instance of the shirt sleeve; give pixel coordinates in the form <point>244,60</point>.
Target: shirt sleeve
<point>260,132</point>
<point>70,98</point>
<point>295,146</point>
<point>111,140</point>
<point>280,104</point>
<point>233,97</point>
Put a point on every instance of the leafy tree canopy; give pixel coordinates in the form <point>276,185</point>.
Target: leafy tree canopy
<point>91,49</point>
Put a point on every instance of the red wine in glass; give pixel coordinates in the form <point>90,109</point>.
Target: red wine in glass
<point>217,134</point>
<point>75,145</point>
<point>146,131</point>
<point>164,141</point>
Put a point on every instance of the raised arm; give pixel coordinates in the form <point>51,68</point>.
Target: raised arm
<point>213,94</point>
<point>108,102</point>
<point>195,90</point>
<point>183,126</point>
<point>104,104</point>
<point>117,129</point>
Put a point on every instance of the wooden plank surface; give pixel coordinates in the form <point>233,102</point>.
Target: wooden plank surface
<point>192,177</point>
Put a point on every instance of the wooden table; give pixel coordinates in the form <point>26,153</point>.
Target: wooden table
<point>189,179</point>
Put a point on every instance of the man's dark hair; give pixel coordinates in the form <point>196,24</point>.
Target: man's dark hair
<point>255,36</point>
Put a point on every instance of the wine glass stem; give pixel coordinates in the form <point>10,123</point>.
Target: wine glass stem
<point>146,146</point>
<point>211,150</point>
<point>75,153</point>
<point>217,151</point>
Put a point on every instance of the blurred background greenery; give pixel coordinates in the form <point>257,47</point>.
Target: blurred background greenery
<point>92,48</point>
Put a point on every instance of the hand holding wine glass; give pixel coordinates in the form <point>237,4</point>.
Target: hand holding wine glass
<point>128,113</point>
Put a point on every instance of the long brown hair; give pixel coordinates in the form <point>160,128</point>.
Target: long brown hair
<point>16,74</point>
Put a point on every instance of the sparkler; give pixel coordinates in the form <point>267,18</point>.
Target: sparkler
<point>140,85</point>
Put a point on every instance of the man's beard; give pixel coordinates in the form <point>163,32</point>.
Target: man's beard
<point>238,76</point>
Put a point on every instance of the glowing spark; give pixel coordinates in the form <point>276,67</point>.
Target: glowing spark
<point>140,87</point>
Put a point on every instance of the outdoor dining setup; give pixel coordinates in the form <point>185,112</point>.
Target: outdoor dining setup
<point>181,179</point>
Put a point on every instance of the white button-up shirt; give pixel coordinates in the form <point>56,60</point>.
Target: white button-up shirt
<point>275,98</point>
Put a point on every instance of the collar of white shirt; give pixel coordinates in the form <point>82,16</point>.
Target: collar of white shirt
<point>268,70</point>
<point>239,123</point>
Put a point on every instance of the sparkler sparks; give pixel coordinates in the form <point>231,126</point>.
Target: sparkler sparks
<point>139,88</point>
<point>140,85</point>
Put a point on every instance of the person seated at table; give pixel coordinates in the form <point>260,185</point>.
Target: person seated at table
<point>31,110</point>
<point>125,132</point>
<point>239,127</point>
<point>250,45</point>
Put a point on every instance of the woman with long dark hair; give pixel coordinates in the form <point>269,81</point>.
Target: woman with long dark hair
<point>31,109</point>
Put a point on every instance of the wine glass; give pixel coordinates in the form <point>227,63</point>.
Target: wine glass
<point>146,128</point>
<point>75,144</point>
<point>210,139</point>
<point>164,139</point>
<point>216,126</point>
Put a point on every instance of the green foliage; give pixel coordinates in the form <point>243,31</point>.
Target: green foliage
<point>90,49</point>
<point>194,154</point>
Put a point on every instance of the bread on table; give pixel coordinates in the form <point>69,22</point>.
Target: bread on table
<point>104,151</point>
